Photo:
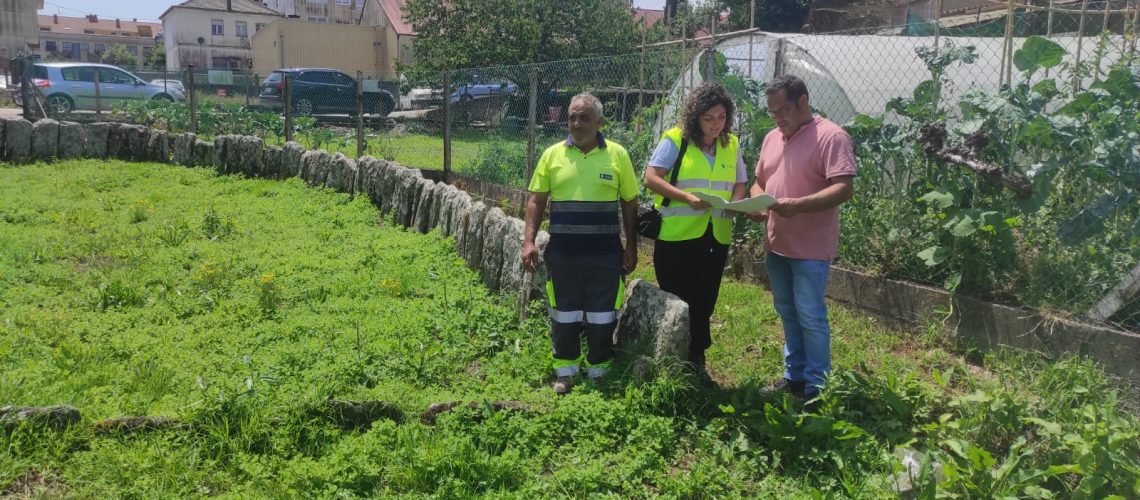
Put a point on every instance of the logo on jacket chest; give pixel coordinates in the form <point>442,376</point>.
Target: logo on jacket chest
<point>606,177</point>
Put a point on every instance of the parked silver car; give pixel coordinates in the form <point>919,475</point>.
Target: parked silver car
<point>167,84</point>
<point>70,86</point>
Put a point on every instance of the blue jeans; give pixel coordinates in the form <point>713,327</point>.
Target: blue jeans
<point>798,286</point>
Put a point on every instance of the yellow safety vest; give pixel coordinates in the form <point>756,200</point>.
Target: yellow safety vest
<point>679,221</point>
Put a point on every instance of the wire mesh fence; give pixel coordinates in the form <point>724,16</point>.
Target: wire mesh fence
<point>1043,96</point>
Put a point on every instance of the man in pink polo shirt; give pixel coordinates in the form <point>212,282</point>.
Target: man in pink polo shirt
<point>808,164</point>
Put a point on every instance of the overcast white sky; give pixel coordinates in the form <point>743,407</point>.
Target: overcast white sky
<point>149,10</point>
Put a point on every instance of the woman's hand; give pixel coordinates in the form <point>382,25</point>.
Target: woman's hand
<point>697,203</point>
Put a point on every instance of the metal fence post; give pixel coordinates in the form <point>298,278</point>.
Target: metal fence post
<point>26,90</point>
<point>98,94</point>
<point>359,113</point>
<point>287,104</point>
<point>751,25</point>
<point>1080,43</point>
<point>531,125</point>
<point>641,76</point>
<point>447,125</point>
<point>937,23</point>
<point>193,98</point>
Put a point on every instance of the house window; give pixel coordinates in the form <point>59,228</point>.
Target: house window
<point>134,50</point>
<point>257,27</point>
<point>88,32</point>
<point>225,62</point>
<point>344,2</point>
<point>217,27</point>
<point>100,48</point>
<point>318,1</point>
<point>49,46</point>
<point>314,19</point>
<point>45,29</point>
<point>241,29</point>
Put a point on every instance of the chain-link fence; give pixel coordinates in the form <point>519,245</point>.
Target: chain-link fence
<point>998,149</point>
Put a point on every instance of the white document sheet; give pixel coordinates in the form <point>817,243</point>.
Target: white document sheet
<point>747,205</point>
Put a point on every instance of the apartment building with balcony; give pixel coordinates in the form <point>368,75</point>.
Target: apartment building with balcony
<point>88,38</point>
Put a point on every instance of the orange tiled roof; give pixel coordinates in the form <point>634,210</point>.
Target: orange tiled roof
<point>80,25</point>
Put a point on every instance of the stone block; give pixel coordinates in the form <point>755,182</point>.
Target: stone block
<point>653,320</point>
<point>137,137</point>
<point>203,153</point>
<point>512,277</point>
<point>98,136</point>
<point>428,199</point>
<point>291,158</point>
<point>472,242</point>
<point>72,140</point>
<point>158,146</point>
<point>184,149</point>
<point>18,140</point>
<point>273,166</point>
<point>45,140</point>
<point>492,259</point>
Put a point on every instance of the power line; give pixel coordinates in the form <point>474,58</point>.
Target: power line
<point>57,6</point>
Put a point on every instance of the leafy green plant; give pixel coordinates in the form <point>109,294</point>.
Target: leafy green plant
<point>216,226</point>
<point>173,234</point>
<point>500,163</point>
<point>137,212</point>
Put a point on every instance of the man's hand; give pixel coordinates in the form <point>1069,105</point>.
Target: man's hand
<point>786,207</point>
<point>629,259</point>
<point>697,203</point>
<point>760,217</point>
<point>529,256</point>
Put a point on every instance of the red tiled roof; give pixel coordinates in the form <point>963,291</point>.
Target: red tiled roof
<point>649,17</point>
<point>394,11</point>
<point>77,25</point>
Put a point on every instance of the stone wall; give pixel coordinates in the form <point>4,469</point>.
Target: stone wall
<point>488,240</point>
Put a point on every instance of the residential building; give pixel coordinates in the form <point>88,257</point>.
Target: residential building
<point>648,17</point>
<point>18,31</point>
<point>87,38</point>
<point>399,34</point>
<point>320,11</point>
<point>293,43</point>
<point>213,34</point>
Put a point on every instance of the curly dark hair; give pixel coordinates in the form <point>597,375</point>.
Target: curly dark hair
<point>703,98</point>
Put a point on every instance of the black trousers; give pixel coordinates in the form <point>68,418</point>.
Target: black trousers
<point>585,294</point>
<point>692,270</point>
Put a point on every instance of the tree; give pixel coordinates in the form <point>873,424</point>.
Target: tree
<point>156,58</point>
<point>119,56</point>
<point>780,16</point>
<point>478,33</point>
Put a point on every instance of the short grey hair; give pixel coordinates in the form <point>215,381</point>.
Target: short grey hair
<point>590,100</point>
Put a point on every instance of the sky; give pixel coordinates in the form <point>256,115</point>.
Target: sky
<point>149,10</point>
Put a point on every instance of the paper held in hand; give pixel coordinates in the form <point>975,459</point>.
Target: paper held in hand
<point>747,205</point>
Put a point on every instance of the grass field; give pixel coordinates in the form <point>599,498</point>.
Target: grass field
<point>240,307</point>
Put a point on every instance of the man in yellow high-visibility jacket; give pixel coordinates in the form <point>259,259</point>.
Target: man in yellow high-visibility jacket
<point>586,179</point>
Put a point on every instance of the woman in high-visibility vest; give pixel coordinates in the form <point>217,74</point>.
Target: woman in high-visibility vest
<point>691,250</point>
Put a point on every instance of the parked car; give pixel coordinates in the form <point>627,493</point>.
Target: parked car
<point>71,86</point>
<point>322,91</point>
<point>479,89</point>
<point>170,84</point>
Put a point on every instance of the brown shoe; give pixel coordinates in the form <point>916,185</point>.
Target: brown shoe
<point>562,385</point>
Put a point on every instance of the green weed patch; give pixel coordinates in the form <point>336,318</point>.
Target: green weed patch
<point>296,338</point>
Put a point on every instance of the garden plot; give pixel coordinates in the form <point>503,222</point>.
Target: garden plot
<point>293,343</point>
